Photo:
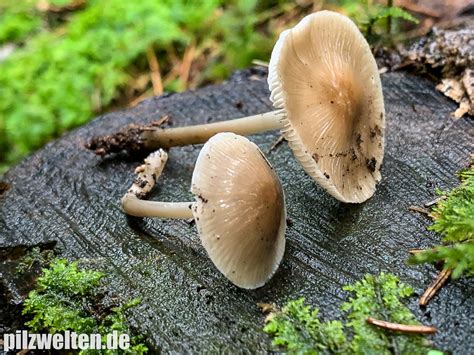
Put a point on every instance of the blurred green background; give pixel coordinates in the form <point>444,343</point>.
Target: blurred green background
<point>63,62</point>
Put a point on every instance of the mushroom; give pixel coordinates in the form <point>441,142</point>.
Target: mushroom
<point>326,91</point>
<point>239,209</point>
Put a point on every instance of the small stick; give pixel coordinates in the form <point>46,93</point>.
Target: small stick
<point>415,251</point>
<point>404,328</point>
<point>155,71</point>
<point>435,201</point>
<point>422,10</point>
<point>276,144</point>
<point>186,63</point>
<point>435,286</point>
<point>162,120</point>
<point>260,63</point>
<point>139,99</point>
<point>420,210</point>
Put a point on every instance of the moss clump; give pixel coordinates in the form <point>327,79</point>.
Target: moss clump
<point>377,21</point>
<point>61,78</point>
<point>64,299</point>
<point>298,328</point>
<point>381,297</point>
<point>35,257</point>
<point>454,219</point>
<point>18,19</point>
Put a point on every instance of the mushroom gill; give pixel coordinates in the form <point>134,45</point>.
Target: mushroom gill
<point>325,82</point>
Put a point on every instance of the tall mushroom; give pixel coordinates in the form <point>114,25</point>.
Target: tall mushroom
<point>239,209</point>
<point>327,93</point>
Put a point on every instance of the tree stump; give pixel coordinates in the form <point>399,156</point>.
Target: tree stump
<point>64,197</point>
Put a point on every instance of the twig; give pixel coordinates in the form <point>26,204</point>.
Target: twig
<point>420,210</point>
<point>260,63</point>
<point>435,201</point>
<point>175,65</point>
<point>422,10</point>
<point>96,100</point>
<point>155,71</point>
<point>415,251</point>
<point>161,121</point>
<point>139,99</point>
<point>435,286</point>
<point>404,328</point>
<point>186,63</point>
<point>276,144</point>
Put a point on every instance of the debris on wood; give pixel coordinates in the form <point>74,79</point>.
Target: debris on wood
<point>415,251</point>
<point>164,120</point>
<point>451,52</point>
<point>4,187</point>
<point>267,308</point>
<point>420,210</point>
<point>435,201</point>
<point>276,144</point>
<point>130,138</point>
<point>260,63</point>
<point>435,286</point>
<point>404,328</point>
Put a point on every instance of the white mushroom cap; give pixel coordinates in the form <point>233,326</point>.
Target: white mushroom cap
<point>325,82</point>
<point>239,210</point>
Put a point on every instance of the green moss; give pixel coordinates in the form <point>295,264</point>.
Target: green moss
<point>454,220</point>
<point>454,216</point>
<point>69,69</point>
<point>381,298</point>
<point>298,329</point>
<point>378,22</point>
<point>18,19</point>
<point>64,299</point>
<point>60,79</point>
<point>35,256</point>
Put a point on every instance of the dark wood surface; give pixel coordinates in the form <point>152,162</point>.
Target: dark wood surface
<point>66,198</point>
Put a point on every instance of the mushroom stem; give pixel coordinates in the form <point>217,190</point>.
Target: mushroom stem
<point>147,176</point>
<point>152,137</point>
<point>180,136</point>
<point>141,208</point>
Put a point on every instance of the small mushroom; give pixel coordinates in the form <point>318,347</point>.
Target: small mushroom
<point>327,93</point>
<point>239,209</point>
<point>324,79</point>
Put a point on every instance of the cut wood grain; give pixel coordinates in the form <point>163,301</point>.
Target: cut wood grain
<point>65,196</point>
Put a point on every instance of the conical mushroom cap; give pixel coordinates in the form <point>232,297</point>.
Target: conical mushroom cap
<point>325,83</point>
<point>239,210</point>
